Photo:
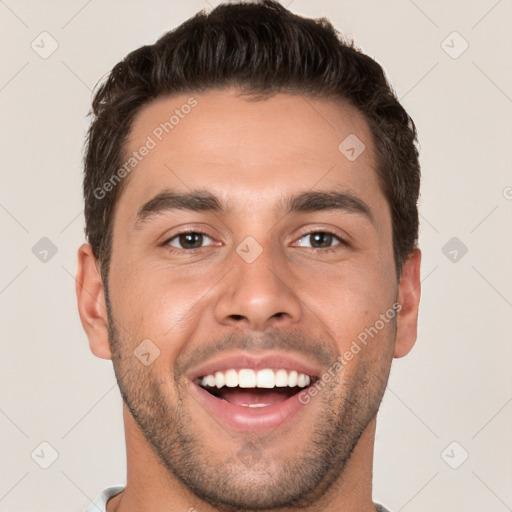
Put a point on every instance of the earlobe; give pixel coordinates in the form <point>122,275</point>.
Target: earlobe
<point>91,302</point>
<point>409,292</point>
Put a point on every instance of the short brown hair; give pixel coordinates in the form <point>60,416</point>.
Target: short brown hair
<point>260,48</point>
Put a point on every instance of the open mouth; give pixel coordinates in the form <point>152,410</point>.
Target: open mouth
<point>255,392</point>
<point>255,388</point>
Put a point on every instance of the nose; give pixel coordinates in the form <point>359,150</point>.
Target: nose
<point>257,295</point>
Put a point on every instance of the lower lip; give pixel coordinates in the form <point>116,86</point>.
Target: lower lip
<point>248,419</point>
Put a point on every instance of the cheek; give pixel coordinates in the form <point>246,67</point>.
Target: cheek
<point>350,300</point>
<point>154,302</point>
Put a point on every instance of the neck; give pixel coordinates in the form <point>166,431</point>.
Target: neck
<point>151,487</point>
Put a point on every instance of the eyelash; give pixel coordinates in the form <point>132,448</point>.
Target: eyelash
<point>342,241</point>
<point>187,232</point>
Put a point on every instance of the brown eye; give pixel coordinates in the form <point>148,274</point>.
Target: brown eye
<point>319,240</point>
<point>191,240</point>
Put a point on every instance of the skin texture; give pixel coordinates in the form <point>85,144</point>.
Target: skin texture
<point>293,299</point>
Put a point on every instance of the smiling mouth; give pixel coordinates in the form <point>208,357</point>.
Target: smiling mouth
<point>255,388</point>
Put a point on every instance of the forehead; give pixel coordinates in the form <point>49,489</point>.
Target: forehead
<point>248,150</point>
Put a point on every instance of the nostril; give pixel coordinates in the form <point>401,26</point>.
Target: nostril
<point>237,317</point>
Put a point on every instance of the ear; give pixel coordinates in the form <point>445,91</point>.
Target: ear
<point>91,302</point>
<point>409,292</point>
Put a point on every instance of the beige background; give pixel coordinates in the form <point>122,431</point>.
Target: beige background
<point>456,385</point>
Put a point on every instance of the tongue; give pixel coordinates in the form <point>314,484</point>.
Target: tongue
<point>238,396</point>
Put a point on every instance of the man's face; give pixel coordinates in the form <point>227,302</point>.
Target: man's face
<point>268,248</point>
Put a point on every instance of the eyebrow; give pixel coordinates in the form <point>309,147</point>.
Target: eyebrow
<point>332,200</point>
<point>168,200</point>
<point>204,201</point>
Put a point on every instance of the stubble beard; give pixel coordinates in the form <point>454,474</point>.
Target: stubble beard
<point>257,483</point>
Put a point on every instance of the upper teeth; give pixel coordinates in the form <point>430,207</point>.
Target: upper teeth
<point>247,378</point>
